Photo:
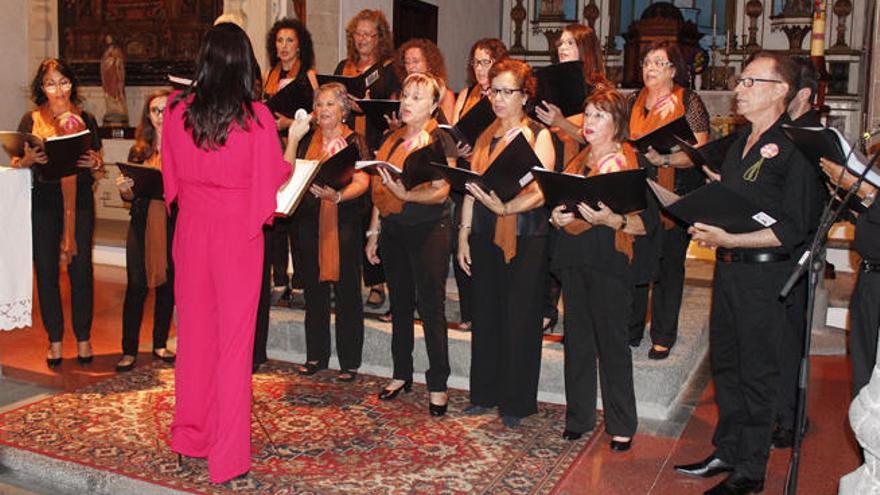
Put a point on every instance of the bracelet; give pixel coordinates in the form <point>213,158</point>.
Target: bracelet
<point>371,233</point>
<point>625,220</point>
<point>464,227</point>
<point>338,197</point>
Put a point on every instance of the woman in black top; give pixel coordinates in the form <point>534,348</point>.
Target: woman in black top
<point>664,98</point>
<point>329,229</point>
<point>63,211</point>
<point>148,244</point>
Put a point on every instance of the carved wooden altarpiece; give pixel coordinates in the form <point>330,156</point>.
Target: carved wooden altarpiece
<point>159,37</point>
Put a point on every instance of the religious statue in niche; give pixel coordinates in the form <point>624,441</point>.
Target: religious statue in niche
<point>556,10</point>
<point>113,83</point>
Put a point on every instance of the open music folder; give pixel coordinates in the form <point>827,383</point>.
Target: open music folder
<point>417,168</point>
<point>376,110</point>
<point>623,192</point>
<point>147,180</point>
<point>62,151</point>
<point>472,124</point>
<point>665,139</point>
<point>336,172</point>
<point>828,142</point>
<point>711,154</point>
<point>355,85</point>
<point>291,98</point>
<point>563,85</point>
<point>507,175</point>
<point>714,204</point>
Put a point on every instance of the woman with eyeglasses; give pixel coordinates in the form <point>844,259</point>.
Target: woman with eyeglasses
<point>483,54</point>
<point>63,211</point>
<point>593,258</point>
<point>369,42</point>
<point>148,244</point>
<point>410,230</point>
<point>665,97</point>
<point>576,43</point>
<point>222,166</point>
<point>422,55</point>
<point>330,232</point>
<point>503,247</point>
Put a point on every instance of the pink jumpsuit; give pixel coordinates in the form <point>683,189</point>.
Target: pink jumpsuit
<point>224,198</point>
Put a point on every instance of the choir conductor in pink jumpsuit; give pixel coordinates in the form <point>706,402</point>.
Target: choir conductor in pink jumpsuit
<point>222,163</point>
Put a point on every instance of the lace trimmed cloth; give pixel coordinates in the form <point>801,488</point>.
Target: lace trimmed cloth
<point>16,272</point>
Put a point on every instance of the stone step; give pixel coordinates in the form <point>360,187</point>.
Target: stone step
<point>658,384</point>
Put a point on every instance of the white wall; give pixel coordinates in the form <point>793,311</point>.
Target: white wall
<point>13,53</point>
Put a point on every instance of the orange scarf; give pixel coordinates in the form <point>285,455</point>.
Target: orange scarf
<point>394,150</point>
<point>156,235</point>
<point>505,226</point>
<point>328,215</point>
<point>664,111</point>
<point>45,125</point>
<point>273,80</point>
<point>625,159</point>
<point>474,97</point>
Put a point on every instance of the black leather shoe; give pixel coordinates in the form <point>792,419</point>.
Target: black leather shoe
<point>85,359</point>
<point>166,357</point>
<point>53,362</point>
<point>635,342</point>
<point>708,467</point>
<point>619,446</point>
<point>437,410</point>
<point>737,484</point>
<point>346,376</point>
<point>121,368</point>
<point>657,354</point>
<point>391,394</point>
<point>310,368</point>
<point>571,435</point>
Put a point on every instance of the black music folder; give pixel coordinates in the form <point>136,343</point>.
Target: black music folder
<point>711,154</point>
<point>63,151</point>
<point>663,139</point>
<point>291,98</point>
<point>355,85</point>
<point>828,142</point>
<point>563,85</point>
<point>472,124</point>
<point>507,175</point>
<point>714,204</point>
<point>336,172</point>
<point>147,180</point>
<point>376,110</point>
<point>417,167</point>
<point>623,192</point>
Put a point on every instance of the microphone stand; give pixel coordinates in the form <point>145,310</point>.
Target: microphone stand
<point>811,262</point>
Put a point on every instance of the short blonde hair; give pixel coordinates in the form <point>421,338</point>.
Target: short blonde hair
<point>438,89</point>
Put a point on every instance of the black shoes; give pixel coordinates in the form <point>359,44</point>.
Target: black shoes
<point>126,364</point>
<point>165,356</point>
<point>657,354</point>
<point>438,410</point>
<point>475,410</point>
<point>737,484</point>
<point>310,368</point>
<point>571,435</point>
<point>80,357</point>
<point>783,438</point>
<point>620,445</point>
<point>392,393</point>
<point>635,342</point>
<point>511,421</point>
<point>346,376</point>
<point>708,467</point>
<point>53,362</point>
<point>376,298</point>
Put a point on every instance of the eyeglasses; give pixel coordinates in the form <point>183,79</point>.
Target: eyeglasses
<point>485,63</point>
<point>53,87</point>
<point>505,92</point>
<point>657,63</point>
<point>365,36</point>
<point>748,82</point>
<point>157,111</point>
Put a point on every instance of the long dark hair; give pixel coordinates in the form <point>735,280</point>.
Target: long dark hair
<point>590,52</point>
<point>39,96</point>
<point>385,45</point>
<point>145,134</point>
<point>496,50</point>
<point>225,85</point>
<point>304,40</point>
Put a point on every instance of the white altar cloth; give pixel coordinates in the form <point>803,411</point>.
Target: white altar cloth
<point>16,272</point>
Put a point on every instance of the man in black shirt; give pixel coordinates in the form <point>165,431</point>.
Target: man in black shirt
<point>748,319</point>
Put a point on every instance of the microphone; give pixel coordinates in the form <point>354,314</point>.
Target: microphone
<point>301,114</point>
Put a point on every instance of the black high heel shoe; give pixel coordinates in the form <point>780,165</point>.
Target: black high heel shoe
<point>390,394</point>
<point>310,368</point>
<point>438,410</point>
<point>53,362</point>
<point>85,359</point>
<point>166,357</point>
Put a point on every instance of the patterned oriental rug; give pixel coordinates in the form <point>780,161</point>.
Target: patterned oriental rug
<point>309,435</point>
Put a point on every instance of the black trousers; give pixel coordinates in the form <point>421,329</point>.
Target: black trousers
<point>285,245</point>
<point>552,284</point>
<point>416,261</point>
<point>864,320</point>
<point>790,352</point>
<point>462,279</point>
<point>597,310</point>
<point>261,335</point>
<point>747,322</point>
<point>347,292</point>
<point>506,341</point>
<point>136,290</point>
<point>47,216</point>
<point>667,291</point>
